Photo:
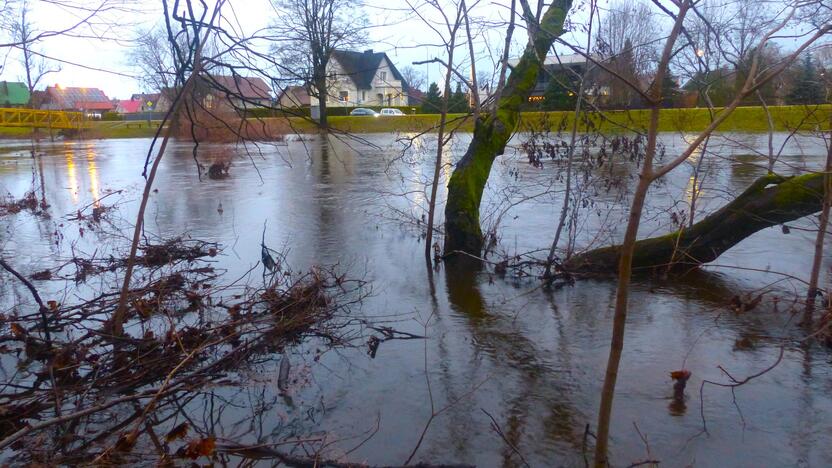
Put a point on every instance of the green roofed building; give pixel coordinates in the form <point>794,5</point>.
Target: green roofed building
<point>13,94</point>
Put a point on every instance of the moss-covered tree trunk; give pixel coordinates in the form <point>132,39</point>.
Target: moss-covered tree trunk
<point>491,134</point>
<point>769,201</point>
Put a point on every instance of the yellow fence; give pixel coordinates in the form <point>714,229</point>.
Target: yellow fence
<point>36,118</point>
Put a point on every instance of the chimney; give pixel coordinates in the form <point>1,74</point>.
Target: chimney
<point>368,51</point>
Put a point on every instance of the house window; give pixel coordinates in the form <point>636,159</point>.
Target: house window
<point>343,96</point>
<point>382,76</point>
<point>208,101</point>
<point>363,96</point>
<point>380,99</point>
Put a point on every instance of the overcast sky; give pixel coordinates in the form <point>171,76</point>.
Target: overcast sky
<point>394,30</point>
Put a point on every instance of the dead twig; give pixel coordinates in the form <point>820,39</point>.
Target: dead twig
<point>496,428</point>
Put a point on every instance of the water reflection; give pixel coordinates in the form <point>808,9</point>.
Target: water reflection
<point>72,175</point>
<point>537,355</point>
<point>532,385</point>
<point>92,172</point>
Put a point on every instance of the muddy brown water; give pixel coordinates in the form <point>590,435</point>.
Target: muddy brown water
<point>532,358</point>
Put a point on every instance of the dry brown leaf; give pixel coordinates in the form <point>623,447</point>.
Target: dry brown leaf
<point>126,442</point>
<point>177,432</point>
<point>680,374</point>
<point>17,330</point>
<point>199,448</point>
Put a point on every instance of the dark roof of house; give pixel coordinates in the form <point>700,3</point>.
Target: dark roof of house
<point>78,98</point>
<point>13,94</point>
<point>361,66</point>
<point>248,88</point>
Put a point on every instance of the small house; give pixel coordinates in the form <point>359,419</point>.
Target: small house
<point>91,101</point>
<point>13,94</point>
<point>294,96</point>
<point>363,79</point>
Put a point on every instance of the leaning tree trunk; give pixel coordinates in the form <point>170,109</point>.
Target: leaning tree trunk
<point>769,201</point>
<point>462,212</point>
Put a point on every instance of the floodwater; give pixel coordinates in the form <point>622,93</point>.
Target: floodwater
<point>530,357</point>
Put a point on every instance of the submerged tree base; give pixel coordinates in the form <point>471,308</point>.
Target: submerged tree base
<point>462,212</point>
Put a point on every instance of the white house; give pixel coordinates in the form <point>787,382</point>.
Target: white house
<point>363,79</point>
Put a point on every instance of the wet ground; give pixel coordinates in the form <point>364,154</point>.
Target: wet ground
<point>530,357</point>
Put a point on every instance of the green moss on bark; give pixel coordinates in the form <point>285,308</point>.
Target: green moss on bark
<point>462,211</point>
<point>769,201</point>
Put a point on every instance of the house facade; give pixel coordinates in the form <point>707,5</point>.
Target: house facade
<point>363,79</point>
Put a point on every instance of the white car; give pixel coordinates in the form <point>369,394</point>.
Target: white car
<point>392,112</point>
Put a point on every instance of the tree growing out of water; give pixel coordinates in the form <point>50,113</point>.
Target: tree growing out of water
<point>452,25</point>
<point>626,253</point>
<point>491,133</point>
<point>490,136</point>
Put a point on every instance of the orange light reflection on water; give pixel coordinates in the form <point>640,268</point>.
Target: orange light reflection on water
<point>92,172</point>
<point>72,174</point>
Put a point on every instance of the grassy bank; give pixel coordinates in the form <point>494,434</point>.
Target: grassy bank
<point>744,119</point>
<point>14,132</point>
<point>134,129</point>
<point>97,130</point>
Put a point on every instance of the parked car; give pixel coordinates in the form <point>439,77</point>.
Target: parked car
<point>363,111</point>
<point>394,112</point>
